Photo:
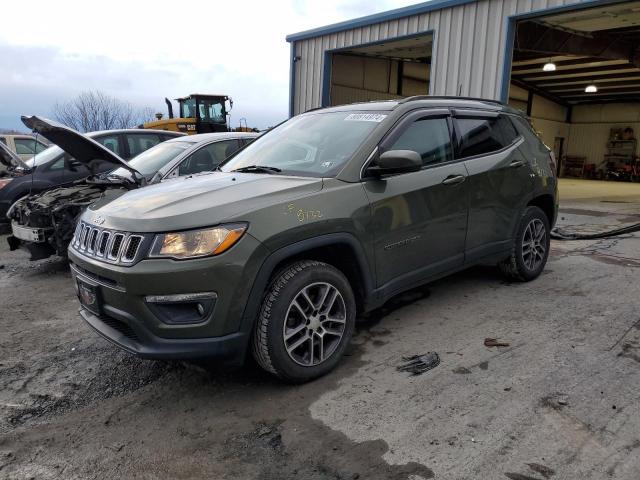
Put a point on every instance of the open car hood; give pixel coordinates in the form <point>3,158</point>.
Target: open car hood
<point>84,149</point>
<point>10,159</point>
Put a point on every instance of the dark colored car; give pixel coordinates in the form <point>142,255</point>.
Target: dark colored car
<point>323,218</point>
<point>54,167</point>
<point>43,223</point>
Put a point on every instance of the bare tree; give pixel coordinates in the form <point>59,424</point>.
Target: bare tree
<point>92,111</point>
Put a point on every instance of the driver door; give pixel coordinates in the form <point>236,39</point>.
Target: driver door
<point>419,219</point>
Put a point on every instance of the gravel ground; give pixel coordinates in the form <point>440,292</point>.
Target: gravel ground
<point>561,401</point>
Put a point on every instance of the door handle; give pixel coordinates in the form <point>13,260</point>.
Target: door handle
<point>454,179</point>
<point>516,164</point>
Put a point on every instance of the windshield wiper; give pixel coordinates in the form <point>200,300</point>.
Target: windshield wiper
<point>257,168</point>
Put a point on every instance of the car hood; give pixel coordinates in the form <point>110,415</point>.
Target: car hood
<point>196,202</point>
<point>10,159</point>
<point>79,146</point>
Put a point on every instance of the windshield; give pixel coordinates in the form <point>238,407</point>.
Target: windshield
<point>45,156</point>
<point>150,161</point>
<point>313,145</point>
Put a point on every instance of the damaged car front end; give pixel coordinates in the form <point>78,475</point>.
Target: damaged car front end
<point>44,223</point>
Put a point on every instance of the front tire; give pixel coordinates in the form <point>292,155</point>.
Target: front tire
<point>306,322</point>
<point>530,249</point>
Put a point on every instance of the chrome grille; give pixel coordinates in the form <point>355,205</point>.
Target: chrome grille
<point>107,245</point>
<point>132,246</point>
<point>116,245</point>
<point>102,246</point>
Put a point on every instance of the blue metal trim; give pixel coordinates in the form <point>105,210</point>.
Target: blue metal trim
<point>378,18</point>
<point>292,79</point>
<point>327,59</point>
<point>511,32</point>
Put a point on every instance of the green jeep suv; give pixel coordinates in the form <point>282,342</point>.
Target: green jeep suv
<point>323,218</point>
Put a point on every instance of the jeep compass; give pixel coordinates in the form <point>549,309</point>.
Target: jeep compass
<point>325,217</point>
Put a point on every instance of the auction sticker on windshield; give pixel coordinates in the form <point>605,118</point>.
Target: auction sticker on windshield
<point>365,117</point>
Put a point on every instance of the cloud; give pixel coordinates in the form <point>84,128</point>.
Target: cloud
<point>142,52</point>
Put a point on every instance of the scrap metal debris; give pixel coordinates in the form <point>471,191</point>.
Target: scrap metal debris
<point>494,342</point>
<point>418,364</point>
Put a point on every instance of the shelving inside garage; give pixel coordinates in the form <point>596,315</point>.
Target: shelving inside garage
<point>591,47</point>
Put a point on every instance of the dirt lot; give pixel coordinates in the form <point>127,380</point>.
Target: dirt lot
<point>561,401</point>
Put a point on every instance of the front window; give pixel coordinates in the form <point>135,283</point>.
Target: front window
<point>211,111</point>
<point>152,160</point>
<point>313,145</point>
<point>188,108</point>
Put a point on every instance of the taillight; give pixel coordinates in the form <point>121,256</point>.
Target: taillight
<point>552,163</point>
<point>4,181</point>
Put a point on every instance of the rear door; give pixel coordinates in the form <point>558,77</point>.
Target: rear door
<point>419,219</point>
<point>500,179</point>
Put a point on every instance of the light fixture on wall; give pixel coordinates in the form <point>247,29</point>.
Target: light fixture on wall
<point>591,89</point>
<point>549,67</point>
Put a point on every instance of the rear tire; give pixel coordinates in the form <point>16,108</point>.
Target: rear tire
<point>530,248</point>
<point>305,323</point>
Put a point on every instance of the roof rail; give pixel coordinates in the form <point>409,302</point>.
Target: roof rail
<point>449,97</point>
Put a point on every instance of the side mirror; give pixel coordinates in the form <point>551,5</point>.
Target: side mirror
<point>396,161</point>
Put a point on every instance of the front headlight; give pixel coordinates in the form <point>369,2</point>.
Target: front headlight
<point>197,243</point>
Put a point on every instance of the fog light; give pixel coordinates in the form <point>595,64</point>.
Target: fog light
<point>182,308</point>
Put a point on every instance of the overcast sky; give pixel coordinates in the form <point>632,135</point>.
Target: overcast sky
<point>143,51</point>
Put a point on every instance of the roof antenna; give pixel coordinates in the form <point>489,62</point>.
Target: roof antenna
<point>460,90</point>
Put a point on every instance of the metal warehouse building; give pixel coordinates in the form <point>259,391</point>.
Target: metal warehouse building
<point>572,65</point>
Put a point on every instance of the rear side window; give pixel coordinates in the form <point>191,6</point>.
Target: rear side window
<point>526,130</point>
<point>111,142</point>
<point>138,143</point>
<point>482,136</point>
<point>430,138</point>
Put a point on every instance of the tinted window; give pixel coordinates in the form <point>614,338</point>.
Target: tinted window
<point>28,146</point>
<point>526,130</point>
<point>142,142</point>
<point>111,142</point>
<point>3,140</point>
<point>313,144</point>
<point>430,138</point>
<point>208,157</point>
<point>481,136</point>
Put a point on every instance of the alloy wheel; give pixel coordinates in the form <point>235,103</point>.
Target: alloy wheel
<point>314,324</point>
<point>534,244</point>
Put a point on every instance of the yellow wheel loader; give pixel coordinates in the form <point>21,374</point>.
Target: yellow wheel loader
<point>198,114</point>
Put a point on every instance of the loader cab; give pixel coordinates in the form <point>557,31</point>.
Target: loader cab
<point>209,111</point>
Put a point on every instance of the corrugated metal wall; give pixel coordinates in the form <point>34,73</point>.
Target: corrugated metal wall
<point>468,51</point>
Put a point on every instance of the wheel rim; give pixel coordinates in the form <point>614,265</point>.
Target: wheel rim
<point>315,323</point>
<point>534,244</point>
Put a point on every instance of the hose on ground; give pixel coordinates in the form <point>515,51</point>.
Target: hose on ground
<point>558,234</point>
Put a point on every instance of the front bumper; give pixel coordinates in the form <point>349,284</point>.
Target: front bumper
<point>229,348</point>
<point>126,319</point>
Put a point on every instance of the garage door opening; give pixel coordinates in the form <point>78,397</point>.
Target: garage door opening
<point>383,71</point>
<point>577,75</point>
